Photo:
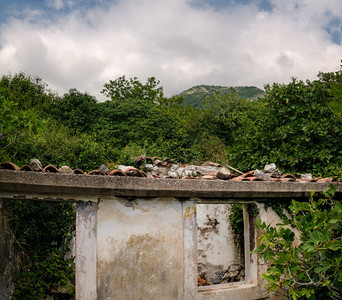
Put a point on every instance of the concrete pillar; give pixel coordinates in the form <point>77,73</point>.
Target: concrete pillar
<point>190,250</point>
<point>86,227</point>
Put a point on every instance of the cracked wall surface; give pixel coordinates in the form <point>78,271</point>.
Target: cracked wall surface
<point>220,254</point>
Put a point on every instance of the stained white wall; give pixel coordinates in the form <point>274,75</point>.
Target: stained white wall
<point>140,249</point>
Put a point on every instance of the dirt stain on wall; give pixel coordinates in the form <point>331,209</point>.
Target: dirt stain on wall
<point>141,268</point>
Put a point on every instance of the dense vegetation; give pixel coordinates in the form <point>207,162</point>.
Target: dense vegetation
<point>43,231</point>
<point>292,126</point>
<point>297,126</point>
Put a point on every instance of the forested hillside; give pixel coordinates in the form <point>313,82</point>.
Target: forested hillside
<point>291,126</point>
<point>197,94</point>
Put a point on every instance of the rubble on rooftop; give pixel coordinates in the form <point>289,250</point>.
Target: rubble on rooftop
<point>152,167</point>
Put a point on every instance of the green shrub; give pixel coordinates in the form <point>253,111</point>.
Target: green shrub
<point>42,231</point>
<point>311,268</point>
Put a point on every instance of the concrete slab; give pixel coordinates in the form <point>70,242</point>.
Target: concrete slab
<point>58,187</point>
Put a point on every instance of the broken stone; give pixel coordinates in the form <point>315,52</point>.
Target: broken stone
<point>36,165</point>
<point>172,174</point>
<point>262,175</point>
<point>224,174</point>
<point>306,176</point>
<point>104,169</point>
<point>218,277</point>
<point>149,167</point>
<point>174,167</point>
<point>204,170</point>
<point>272,170</point>
<point>190,171</point>
<point>65,169</point>
<point>162,171</point>
<point>180,172</point>
<point>235,272</point>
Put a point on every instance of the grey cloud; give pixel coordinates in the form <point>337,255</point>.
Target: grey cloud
<point>179,44</point>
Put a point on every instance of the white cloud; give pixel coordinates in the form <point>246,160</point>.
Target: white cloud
<point>179,44</point>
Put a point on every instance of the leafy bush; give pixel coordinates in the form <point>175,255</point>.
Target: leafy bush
<point>28,91</point>
<point>76,110</point>
<point>43,232</point>
<point>295,129</point>
<point>59,145</point>
<point>15,124</point>
<point>309,268</point>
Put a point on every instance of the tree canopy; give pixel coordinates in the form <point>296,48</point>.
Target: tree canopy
<point>295,125</point>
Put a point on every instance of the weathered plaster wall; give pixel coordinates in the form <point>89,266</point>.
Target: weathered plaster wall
<point>140,249</point>
<point>86,224</point>
<point>9,260</point>
<point>218,247</point>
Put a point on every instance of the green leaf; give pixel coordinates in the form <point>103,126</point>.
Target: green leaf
<point>321,269</point>
<point>334,221</point>
<point>336,107</point>
<point>340,277</point>
<point>308,247</point>
<point>268,277</point>
<point>334,245</point>
<point>288,235</point>
<point>316,237</point>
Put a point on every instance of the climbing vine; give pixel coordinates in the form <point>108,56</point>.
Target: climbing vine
<point>279,206</point>
<point>236,218</point>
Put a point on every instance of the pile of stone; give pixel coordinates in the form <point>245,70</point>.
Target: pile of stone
<point>156,168</point>
<point>152,167</point>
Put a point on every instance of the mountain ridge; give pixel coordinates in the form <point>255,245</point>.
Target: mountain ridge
<point>196,94</point>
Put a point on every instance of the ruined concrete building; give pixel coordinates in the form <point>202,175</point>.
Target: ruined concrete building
<point>162,232</point>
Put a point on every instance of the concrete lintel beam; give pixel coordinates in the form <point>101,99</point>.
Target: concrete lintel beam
<point>19,182</point>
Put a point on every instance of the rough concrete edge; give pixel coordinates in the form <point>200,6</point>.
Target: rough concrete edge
<point>61,184</point>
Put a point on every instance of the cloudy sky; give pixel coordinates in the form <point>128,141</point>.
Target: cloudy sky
<point>84,43</point>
